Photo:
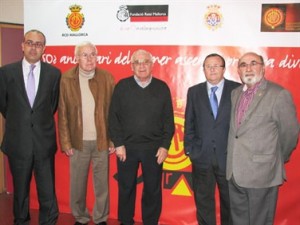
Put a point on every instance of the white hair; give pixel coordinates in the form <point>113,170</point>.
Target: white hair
<point>83,44</point>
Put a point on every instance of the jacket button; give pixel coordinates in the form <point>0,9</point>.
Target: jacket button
<point>236,137</point>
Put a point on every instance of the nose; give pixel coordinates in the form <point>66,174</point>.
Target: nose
<point>248,67</point>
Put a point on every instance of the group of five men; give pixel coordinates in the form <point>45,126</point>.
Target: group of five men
<point>134,119</point>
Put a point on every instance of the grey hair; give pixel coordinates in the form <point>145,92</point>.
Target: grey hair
<point>141,51</point>
<point>253,53</point>
<point>83,44</point>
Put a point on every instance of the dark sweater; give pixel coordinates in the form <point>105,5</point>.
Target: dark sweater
<point>141,117</point>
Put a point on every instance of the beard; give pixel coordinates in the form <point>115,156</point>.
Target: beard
<point>250,81</point>
<point>253,79</point>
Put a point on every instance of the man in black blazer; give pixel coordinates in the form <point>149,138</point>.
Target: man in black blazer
<point>205,140</point>
<point>30,140</point>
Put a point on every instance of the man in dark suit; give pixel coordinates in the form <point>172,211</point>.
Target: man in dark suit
<point>263,133</point>
<point>205,139</point>
<point>29,140</point>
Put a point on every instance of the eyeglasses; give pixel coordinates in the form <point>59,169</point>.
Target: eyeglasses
<point>215,67</point>
<point>144,63</point>
<point>86,56</point>
<point>34,44</point>
<point>251,64</point>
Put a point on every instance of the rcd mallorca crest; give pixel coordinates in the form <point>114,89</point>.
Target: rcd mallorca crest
<point>75,19</point>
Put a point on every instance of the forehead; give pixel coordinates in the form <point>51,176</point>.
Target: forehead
<point>213,59</point>
<point>87,48</point>
<point>141,55</point>
<point>34,36</point>
<point>250,57</point>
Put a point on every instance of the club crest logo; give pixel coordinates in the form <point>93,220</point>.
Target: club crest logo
<point>123,13</point>
<point>75,19</point>
<point>213,19</point>
<point>273,17</point>
<point>177,159</point>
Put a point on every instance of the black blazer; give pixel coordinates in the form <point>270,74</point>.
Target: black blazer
<point>202,133</point>
<point>28,130</point>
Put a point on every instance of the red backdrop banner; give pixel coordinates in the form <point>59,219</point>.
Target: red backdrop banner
<point>181,67</point>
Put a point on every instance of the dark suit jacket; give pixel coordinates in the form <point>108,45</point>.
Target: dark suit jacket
<point>27,129</point>
<point>203,134</point>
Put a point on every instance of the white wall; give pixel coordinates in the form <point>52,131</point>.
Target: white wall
<point>11,11</point>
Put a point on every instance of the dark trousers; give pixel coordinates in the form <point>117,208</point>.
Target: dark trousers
<point>204,186</point>
<point>43,170</point>
<point>127,181</point>
<point>252,206</point>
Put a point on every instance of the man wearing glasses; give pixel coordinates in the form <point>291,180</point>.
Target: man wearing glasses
<point>85,94</point>
<point>205,139</point>
<point>28,100</point>
<point>141,126</point>
<point>263,133</point>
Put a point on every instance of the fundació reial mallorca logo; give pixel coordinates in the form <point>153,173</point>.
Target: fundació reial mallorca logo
<point>143,13</point>
<point>75,19</point>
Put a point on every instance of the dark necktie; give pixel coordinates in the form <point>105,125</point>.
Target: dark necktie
<point>31,85</point>
<point>214,101</point>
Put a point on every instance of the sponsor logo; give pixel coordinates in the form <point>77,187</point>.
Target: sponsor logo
<point>75,19</point>
<point>273,17</point>
<point>123,13</point>
<point>213,19</point>
<point>143,13</point>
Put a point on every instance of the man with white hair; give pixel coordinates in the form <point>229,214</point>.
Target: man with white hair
<point>84,101</point>
<point>141,125</point>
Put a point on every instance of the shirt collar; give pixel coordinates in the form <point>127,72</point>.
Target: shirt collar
<point>27,64</point>
<point>142,84</point>
<point>220,85</point>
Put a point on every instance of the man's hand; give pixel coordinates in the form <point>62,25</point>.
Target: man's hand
<point>121,153</point>
<point>111,150</point>
<point>161,155</point>
<point>69,152</point>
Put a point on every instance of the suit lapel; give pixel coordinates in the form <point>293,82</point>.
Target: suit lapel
<point>257,98</point>
<point>20,81</point>
<point>235,99</point>
<point>224,97</point>
<point>204,95</point>
<point>254,104</point>
<point>42,82</point>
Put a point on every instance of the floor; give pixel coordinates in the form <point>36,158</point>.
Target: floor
<point>6,215</point>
